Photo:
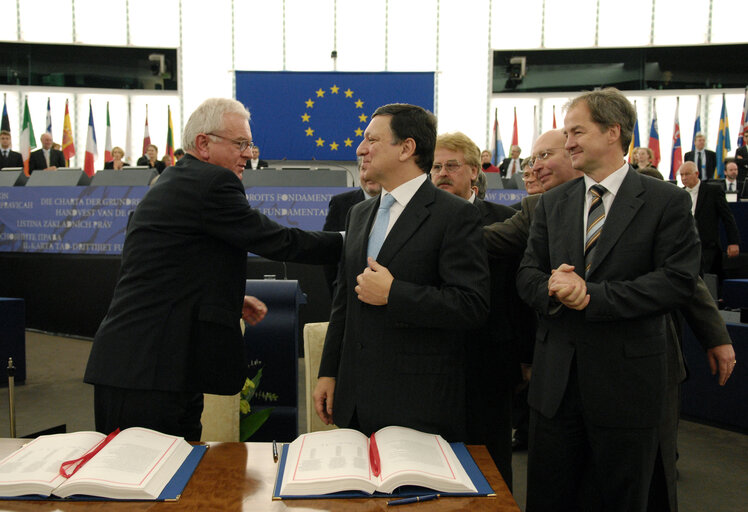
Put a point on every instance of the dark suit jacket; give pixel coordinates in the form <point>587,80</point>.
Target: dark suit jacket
<point>173,324</point>
<point>159,166</point>
<point>260,164</point>
<point>711,207</point>
<point>505,165</point>
<point>711,161</point>
<point>738,187</point>
<point>37,160</point>
<point>646,264</point>
<point>404,363</point>
<point>14,159</point>
<point>337,213</point>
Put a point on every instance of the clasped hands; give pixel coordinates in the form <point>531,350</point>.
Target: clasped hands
<point>568,287</point>
<point>374,284</point>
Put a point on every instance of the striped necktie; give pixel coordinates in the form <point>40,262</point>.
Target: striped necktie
<point>595,220</point>
<point>379,231</point>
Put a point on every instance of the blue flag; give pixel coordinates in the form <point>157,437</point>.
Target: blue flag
<point>5,123</point>
<point>322,115</point>
<point>723,142</point>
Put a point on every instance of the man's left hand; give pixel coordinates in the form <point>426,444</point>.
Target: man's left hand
<point>568,287</point>
<point>253,310</point>
<point>374,284</point>
<point>733,250</point>
<point>721,358</point>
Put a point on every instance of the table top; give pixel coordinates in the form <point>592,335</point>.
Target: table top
<point>240,476</point>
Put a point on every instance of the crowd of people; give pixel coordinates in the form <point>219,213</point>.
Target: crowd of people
<point>444,305</point>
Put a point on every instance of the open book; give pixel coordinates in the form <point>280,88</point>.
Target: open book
<point>346,460</point>
<point>136,464</point>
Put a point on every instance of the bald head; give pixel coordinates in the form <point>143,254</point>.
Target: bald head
<point>46,140</point>
<point>551,161</point>
<point>689,174</point>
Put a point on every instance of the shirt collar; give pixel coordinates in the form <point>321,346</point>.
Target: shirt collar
<point>405,192</point>
<point>612,182</point>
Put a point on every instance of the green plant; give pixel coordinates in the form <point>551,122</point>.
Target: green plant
<point>250,421</point>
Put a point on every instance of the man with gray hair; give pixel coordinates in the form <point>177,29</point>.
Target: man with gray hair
<point>172,331</point>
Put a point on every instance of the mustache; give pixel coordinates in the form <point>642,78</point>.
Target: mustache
<point>444,181</point>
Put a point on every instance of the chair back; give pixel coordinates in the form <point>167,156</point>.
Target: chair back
<point>314,340</point>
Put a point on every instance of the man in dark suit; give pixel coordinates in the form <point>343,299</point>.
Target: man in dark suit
<point>8,157</point>
<point>395,347</point>
<point>512,165</point>
<point>46,158</point>
<point>255,162</point>
<point>732,184</point>
<point>337,213</point>
<point>553,166</point>
<point>172,331</point>
<point>709,207</point>
<point>492,361</point>
<point>600,367</point>
<point>705,159</point>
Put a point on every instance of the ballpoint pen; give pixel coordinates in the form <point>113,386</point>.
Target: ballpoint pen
<point>414,499</point>
<point>275,451</point>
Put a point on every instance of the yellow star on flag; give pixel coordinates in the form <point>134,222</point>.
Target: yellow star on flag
<point>320,142</point>
<point>305,118</point>
<point>348,93</point>
<point>348,142</point>
<point>334,89</point>
<point>359,104</point>
<point>362,118</point>
<point>320,93</point>
<point>309,103</point>
<point>309,132</point>
<point>359,132</point>
<point>334,146</point>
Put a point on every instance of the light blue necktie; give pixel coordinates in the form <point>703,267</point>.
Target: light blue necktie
<point>378,233</point>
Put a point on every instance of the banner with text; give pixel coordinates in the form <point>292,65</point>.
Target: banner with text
<point>93,220</point>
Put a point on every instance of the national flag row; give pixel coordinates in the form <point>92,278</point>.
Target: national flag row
<point>28,140</point>
<point>723,138</point>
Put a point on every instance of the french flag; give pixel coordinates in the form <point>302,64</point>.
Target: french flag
<point>91,150</point>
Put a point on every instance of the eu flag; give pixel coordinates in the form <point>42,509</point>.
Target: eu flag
<point>322,115</point>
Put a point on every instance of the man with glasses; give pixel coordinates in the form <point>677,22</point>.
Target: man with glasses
<point>492,365</point>
<point>413,281</point>
<point>172,331</point>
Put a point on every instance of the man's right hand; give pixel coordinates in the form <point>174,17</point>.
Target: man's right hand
<point>323,397</point>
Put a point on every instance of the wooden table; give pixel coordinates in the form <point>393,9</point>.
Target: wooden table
<point>240,476</point>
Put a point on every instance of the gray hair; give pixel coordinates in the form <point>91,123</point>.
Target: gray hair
<point>209,117</point>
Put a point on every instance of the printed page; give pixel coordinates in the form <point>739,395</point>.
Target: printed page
<point>133,459</point>
<point>323,458</point>
<point>417,458</point>
<point>35,467</point>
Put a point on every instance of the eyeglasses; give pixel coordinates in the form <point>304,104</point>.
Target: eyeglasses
<point>242,144</point>
<point>542,156</point>
<point>452,166</point>
<point>526,175</point>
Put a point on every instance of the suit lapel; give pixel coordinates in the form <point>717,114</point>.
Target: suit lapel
<point>409,221</point>
<point>568,213</point>
<point>622,212</point>
<point>358,237</point>
<point>700,200</point>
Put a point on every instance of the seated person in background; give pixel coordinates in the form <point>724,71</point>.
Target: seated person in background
<point>255,162</point>
<point>8,157</point>
<point>485,162</point>
<point>512,165</point>
<point>731,183</point>
<point>46,158</point>
<point>151,159</point>
<point>117,163</point>
<point>643,157</point>
<point>178,153</point>
<point>168,160</point>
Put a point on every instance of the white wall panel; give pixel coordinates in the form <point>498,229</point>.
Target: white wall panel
<point>104,23</point>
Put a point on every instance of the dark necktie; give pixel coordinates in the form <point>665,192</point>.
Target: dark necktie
<point>732,187</point>
<point>379,231</point>
<point>702,173</point>
<point>595,220</point>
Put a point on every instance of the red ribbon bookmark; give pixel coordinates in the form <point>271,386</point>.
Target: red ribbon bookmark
<point>374,456</point>
<point>78,463</point>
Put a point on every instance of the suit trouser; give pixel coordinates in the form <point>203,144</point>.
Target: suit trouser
<point>170,412</point>
<point>574,465</point>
